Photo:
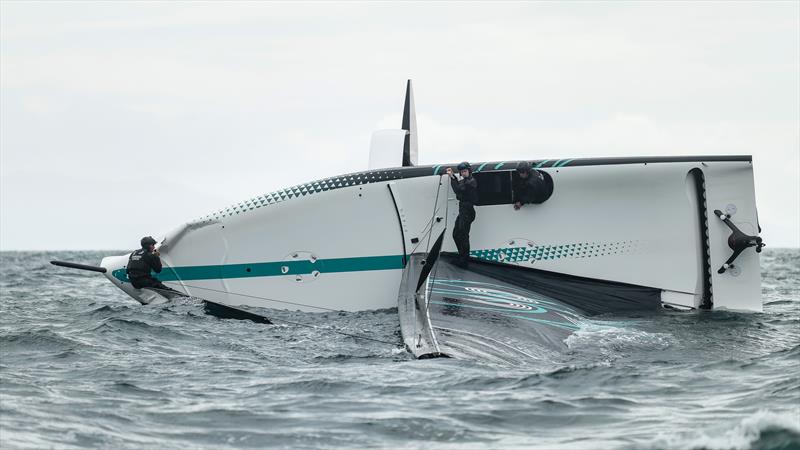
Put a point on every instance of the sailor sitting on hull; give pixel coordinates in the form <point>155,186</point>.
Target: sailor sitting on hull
<point>529,186</point>
<point>142,262</point>
<point>466,190</point>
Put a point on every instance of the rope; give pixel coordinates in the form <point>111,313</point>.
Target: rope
<point>433,216</point>
<point>431,221</point>
<point>428,244</point>
<point>432,276</point>
<point>357,336</point>
<point>256,297</point>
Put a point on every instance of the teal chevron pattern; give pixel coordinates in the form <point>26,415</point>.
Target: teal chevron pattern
<point>552,252</point>
<point>302,190</point>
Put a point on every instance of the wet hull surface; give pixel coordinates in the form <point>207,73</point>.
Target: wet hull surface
<point>479,316</point>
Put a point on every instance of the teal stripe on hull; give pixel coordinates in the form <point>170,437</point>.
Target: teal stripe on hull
<point>275,268</point>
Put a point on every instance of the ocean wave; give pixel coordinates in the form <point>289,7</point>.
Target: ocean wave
<point>763,430</point>
<point>780,302</point>
<point>115,323</point>
<point>125,387</point>
<point>133,327</point>
<point>365,357</point>
<point>107,310</point>
<point>317,386</point>
<point>42,339</point>
<point>75,351</point>
<point>593,337</point>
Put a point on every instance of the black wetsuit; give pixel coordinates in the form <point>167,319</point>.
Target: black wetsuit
<point>140,264</point>
<point>466,190</point>
<point>531,189</point>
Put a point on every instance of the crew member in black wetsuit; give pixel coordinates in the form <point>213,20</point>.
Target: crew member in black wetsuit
<point>466,190</point>
<point>529,186</point>
<point>142,262</point>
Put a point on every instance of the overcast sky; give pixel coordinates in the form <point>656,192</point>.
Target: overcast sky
<point>119,120</point>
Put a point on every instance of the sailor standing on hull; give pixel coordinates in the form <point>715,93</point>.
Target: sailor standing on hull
<point>142,262</point>
<point>466,190</point>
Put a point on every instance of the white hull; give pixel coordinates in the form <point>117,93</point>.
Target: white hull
<point>341,243</point>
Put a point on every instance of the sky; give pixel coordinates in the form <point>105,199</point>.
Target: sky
<point>119,120</point>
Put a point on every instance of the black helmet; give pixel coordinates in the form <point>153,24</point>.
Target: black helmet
<point>523,167</point>
<point>464,166</point>
<point>147,241</point>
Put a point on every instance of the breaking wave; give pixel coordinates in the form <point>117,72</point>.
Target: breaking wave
<point>762,430</point>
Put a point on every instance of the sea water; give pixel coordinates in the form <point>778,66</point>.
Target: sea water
<point>82,365</point>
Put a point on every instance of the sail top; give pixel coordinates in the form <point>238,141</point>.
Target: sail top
<point>410,149</point>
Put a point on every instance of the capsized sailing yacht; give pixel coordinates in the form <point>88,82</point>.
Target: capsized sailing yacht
<point>632,232</point>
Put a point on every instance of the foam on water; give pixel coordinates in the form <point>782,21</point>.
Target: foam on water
<point>84,366</point>
<point>615,339</point>
<point>760,430</point>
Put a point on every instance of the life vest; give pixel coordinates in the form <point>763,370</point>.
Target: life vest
<point>466,190</point>
<point>536,188</point>
<point>138,266</point>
